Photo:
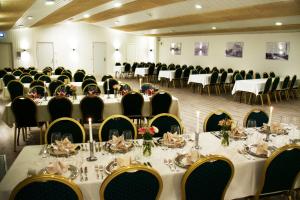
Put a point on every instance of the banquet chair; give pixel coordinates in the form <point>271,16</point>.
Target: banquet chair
<point>177,78</point>
<point>36,83</point>
<point>78,76</point>
<point>91,89</point>
<point>273,90</point>
<point>291,89</point>
<point>166,122</point>
<point>46,187</point>
<point>8,77</point>
<point>120,123</point>
<point>232,81</point>
<point>222,70</point>
<point>105,77</point>
<point>39,90</point>
<point>132,69</point>
<point>265,75</point>
<point>230,70</point>
<point>160,102</point>
<point>3,166</point>
<point>257,115</point>
<point>237,77</point>
<point>272,74</point>
<point>53,85</point>
<point>213,83</point>
<point>45,78</point>
<point>126,71</point>
<point>243,74</point>
<point>15,89</point>
<point>132,182</point>
<point>2,73</point>
<point>265,92</point>
<point>222,82</point>
<point>249,76</point>
<point>92,107</point>
<point>59,107</point>
<point>150,75</point>
<point>280,172</point>
<point>65,126</point>
<point>26,79</point>
<point>185,77</point>
<point>132,105</point>
<point>202,71</point>
<point>81,70</point>
<point>63,78</point>
<point>257,75</point>
<point>33,72</point>
<point>24,110</point>
<point>183,67</point>
<point>211,121</point>
<point>89,76</point>
<point>58,70</point>
<point>86,82</point>
<point>68,74</point>
<point>208,178</point>
<point>284,88</point>
<point>112,82</point>
<point>37,76</point>
<point>17,73</point>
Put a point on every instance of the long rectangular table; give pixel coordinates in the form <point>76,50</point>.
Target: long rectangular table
<point>111,106</point>
<point>245,182</point>
<point>204,79</point>
<point>169,74</point>
<point>141,71</point>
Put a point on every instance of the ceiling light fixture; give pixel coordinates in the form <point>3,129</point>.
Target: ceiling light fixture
<point>117,5</point>
<point>198,6</point>
<point>29,17</point>
<point>49,2</point>
<point>213,28</point>
<point>278,23</point>
<point>86,15</point>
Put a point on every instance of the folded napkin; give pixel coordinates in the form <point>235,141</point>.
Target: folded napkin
<point>64,146</point>
<point>119,142</point>
<point>123,161</point>
<point>237,132</point>
<point>262,149</point>
<point>275,127</point>
<point>192,157</point>
<point>57,168</point>
<point>172,138</point>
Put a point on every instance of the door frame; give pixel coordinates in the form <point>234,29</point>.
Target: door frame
<point>105,56</point>
<point>12,52</point>
<point>37,60</point>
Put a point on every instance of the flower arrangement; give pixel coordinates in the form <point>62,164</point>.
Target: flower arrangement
<point>225,127</point>
<point>147,134</point>
<point>149,92</point>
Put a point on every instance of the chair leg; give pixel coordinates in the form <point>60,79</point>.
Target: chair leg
<point>261,99</point>
<point>15,139</point>
<point>275,96</point>
<point>208,90</point>
<point>269,100</point>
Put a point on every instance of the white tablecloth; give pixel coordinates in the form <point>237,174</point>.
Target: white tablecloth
<point>118,69</point>
<point>204,79</point>
<point>169,74</point>
<point>111,106</point>
<point>247,170</point>
<point>141,71</point>
<point>6,95</point>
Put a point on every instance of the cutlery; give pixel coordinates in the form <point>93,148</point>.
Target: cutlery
<point>166,162</point>
<point>101,168</point>
<point>81,176</point>
<point>171,163</point>
<point>149,164</point>
<point>97,171</point>
<point>85,173</point>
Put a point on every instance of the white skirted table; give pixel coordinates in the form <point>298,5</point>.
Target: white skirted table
<point>204,79</point>
<point>245,182</point>
<point>111,106</point>
<point>141,71</point>
<point>169,74</point>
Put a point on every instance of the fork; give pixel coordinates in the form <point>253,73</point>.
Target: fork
<point>81,176</point>
<point>101,169</point>
<point>97,171</point>
<point>85,173</point>
<point>166,162</point>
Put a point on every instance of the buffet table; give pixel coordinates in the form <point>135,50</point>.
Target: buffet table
<point>111,106</point>
<point>247,169</point>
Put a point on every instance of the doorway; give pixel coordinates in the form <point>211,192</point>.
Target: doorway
<point>6,55</point>
<point>99,59</point>
<point>45,54</point>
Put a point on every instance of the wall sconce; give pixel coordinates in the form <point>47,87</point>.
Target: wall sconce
<point>73,49</point>
<point>151,50</point>
<point>117,49</point>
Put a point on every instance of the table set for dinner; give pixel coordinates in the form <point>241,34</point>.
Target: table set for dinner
<point>171,156</point>
<point>204,79</point>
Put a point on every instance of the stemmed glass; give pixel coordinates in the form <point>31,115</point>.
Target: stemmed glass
<point>251,123</point>
<point>127,136</point>
<point>175,129</point>
<point>55,136</point>
<point>113,132</point>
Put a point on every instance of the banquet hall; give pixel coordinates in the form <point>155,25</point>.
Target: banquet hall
<point>150,99</point>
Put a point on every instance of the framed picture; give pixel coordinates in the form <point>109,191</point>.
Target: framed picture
<point>175,48</point>
<point>277,50</point>
<point>234,49</point>
<point>201,49</point>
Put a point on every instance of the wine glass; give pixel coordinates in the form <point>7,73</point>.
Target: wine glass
<point>175,129</point>
<point>69,136</point>
<point>113,132</point>
<point>55,136</point>
<point>251,123</point>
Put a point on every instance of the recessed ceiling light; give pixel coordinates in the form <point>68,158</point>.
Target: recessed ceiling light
<point>49,2</point>
<point>213,28</point>
<point>29,17</point>
<point>117,4</point>
<point>278,23</point>
<point>86,15</point>
<point>198,6</point>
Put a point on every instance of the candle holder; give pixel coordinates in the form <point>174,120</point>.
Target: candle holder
<point>108,94</point>
<point>197,140</point>
<point>92,156</point>
<point>268,133</point>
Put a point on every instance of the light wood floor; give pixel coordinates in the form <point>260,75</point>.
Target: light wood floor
<point>189,103</point>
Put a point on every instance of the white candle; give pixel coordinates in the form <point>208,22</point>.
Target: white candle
<point>107,85</point>
<point>270,115</point>
<point>140,83</point>
<point>198,121</point>
<point>90,130</point>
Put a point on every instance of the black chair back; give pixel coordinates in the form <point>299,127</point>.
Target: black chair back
<point>259,116</point>
<point>267,85</point>
<point>160,103</point>
<point>92,107</point>
<point>186,73</point>
<point>17,73</point>
<point>58,70</point>
<point>37,76</point>
<point>45,78</point>
<point>166,122</point>
<point>87,82</point>
<point>78,76</point>
<point>223,77</point>
<point>60,107</point>
<point>65,127</point>
<point>243,73</point>
<point>33,72</point>
<point>26,79</point>
<point>112,82</point>
<point>207,178</point>
<point>230,70</point>
<point>285,83</point>
<point>132,104</point>
<point>91,89</point>
<point>15,89</point>
<point>257,75</point>
<point>238,76</point>
<point>63,78</point>
<point>89,76</point>
<point>68,74</point>
<point>119,122</point>
<point>2,73</point>
<point>39,90</point>
<point>8,77</point>
<point>37,83</point>
<point>24,110</point>
<point>272,74</point>
<point>275,84</point>
<point>265,75</point>
<point>53,85</point>
<point>211,122</point>
<point>214,77</point>
<point>293,81</point>
<point>105,77</point>
<point>249,76</point>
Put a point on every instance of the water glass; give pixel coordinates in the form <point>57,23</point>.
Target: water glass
<point>55,136</point>
<point>113,132</point>
<point>127,135</point>
<point>251,123</point>
<point>175,129</point>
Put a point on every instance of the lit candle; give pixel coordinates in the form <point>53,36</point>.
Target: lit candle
<point>140,83</point>
<point>90,130</point>
<point>107,85</point>
<point>198,121</point>
<point>270,115</point>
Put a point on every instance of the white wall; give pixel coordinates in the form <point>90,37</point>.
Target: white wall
<point>81,37</point>
<point>253,54</point>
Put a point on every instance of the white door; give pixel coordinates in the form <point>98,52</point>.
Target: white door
<point>131,53</point>
<point>45,54</point>
<point>99,59</point>
<point>6,59</point>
